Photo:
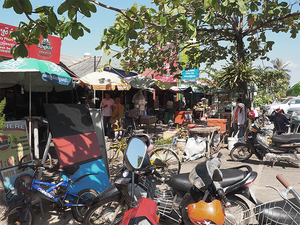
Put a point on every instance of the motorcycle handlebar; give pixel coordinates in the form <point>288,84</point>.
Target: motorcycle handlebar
<point>283,181</point>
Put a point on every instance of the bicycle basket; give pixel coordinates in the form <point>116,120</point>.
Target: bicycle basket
<point>275,212</point>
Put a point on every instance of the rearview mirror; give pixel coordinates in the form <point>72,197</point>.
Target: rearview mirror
<point>135,153</point>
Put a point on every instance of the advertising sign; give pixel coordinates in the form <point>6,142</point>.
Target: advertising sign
<point>190,74</point>
<point>6,43</point>
<point>14,144</point>
<point>47,48</point>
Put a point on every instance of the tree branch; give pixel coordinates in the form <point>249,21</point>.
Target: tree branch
<point>269,22</point>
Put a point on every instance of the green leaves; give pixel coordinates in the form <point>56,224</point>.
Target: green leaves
<point>163,20</point>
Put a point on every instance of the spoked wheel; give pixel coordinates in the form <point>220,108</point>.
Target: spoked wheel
<point>20,214</point>
<point>106,212</point>
<point>240,153</point>
<point>113,153</point>
<point>166,162</point>
<point>83,197</point>
<point>238,211</point>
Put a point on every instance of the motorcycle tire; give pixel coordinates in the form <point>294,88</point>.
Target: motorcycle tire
<point>83,197</point>
<point>103,211</point>
<point>240,153</point>
<point>237,212</point>
<point>17,213</point>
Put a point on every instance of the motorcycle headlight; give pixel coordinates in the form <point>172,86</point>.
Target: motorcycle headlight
<point>195,179</point>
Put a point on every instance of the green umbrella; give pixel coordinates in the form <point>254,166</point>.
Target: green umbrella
<point>41,75</point>
<point>35,76</point>
<point>294,91</point>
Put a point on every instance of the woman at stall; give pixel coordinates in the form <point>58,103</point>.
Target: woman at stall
<point>117,114</point>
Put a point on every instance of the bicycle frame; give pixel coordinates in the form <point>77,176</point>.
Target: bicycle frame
<point>46,193</point>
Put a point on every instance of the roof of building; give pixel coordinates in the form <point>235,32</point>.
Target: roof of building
<point>81,66</point>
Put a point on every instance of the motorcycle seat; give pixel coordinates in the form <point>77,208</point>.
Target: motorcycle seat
<point>181,182</point>
<point>278,212</point>
<point>232,176</point>
<point>288,138</point>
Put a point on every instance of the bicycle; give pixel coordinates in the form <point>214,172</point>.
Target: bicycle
<point>280,211</point>
<point>165,160</point>
<point>21,213</point>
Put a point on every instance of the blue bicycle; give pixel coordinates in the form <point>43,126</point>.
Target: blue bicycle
<point>28,187</point>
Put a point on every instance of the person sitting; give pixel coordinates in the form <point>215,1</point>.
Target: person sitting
<point>280,121</point>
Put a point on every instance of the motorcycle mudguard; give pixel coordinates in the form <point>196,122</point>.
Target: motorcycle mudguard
<point>110,193</point>
<point>146,211</point>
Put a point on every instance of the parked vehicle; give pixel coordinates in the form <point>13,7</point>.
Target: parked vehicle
<point>284,106</point>
<point>145,210</point>
<point>293,113</point>
<point>172,198</point>
<point>286,211</point>
<point>28,187</point>
<point>277,148</point>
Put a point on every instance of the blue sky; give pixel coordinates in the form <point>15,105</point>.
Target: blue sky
<point>285,48</point>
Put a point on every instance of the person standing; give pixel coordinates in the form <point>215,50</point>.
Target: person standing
<point>107,107</point>
<point>239,118</point>
<point>117,114</point>
<point>280,121</point>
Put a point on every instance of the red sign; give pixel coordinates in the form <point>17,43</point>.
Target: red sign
<point>6,43</point>
<point>47,48</point>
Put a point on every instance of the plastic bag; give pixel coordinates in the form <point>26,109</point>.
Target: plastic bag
<point>195,146</point>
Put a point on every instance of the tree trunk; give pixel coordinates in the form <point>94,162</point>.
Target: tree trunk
<point>3,205</point>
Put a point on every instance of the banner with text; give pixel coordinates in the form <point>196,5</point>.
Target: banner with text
<point>14,144</point>
<point>46,49</point>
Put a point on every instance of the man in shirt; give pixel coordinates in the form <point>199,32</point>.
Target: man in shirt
<point>280,121</point>
<point>107,105</point>
<point>239,118</point>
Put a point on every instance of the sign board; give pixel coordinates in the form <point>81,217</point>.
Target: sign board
<point>14,144</point>
<point>190,74</point>
<point>6,43</point>
<point>47,48</point>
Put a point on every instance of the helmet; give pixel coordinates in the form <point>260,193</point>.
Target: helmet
<point>203,212</point>
<point>251,114</point>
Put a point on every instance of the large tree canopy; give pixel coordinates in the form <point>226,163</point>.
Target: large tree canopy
<point>205,30</point>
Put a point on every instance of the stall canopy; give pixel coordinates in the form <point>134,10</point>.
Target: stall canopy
<point>181,89</point>
<point>294,91</point>
<point>105,81</point>
<point>142,82</point>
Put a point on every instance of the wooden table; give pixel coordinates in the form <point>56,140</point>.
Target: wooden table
<point>207,132</point>
<point>148,120</point>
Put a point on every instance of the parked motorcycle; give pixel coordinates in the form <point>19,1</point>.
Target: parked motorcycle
<point>278,148</point>
<point>145,210</point>
<point>173,198</point>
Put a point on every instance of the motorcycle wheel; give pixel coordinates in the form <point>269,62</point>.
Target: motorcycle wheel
<point>238,212</point>
<point>240,153</point>
<point>104,211</point>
